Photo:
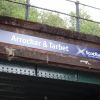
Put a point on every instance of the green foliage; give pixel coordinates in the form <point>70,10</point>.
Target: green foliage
<point>90,28</point>
<point>12,9</point>
<point>85,26</point>
<point>4,6</point>
<point>52,19</point>
<point>33,15</point>
<point>18,11</point>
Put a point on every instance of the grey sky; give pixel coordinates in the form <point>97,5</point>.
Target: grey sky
<point>65,6</point>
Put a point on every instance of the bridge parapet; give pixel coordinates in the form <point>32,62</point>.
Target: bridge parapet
<point>39,43</point>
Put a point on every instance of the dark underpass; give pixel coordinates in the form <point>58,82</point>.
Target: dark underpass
<point>24,87</point>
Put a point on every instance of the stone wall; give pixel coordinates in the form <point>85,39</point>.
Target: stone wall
<point>46,57</point>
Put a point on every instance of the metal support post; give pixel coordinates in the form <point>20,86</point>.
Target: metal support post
<point>27,9</point>
<point>77,17</point>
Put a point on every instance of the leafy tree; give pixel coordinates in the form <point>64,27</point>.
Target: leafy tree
<point>85,26</point>
<point>52,19</point>
<point>4,6</point>
<point>11,9</point>
<point>33,15</point>
<point>18,11</point>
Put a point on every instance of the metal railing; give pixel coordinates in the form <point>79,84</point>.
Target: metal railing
<point>77,16</point>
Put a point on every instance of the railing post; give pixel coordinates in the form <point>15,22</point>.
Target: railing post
<point>27,9</point>
<point>77,17</point>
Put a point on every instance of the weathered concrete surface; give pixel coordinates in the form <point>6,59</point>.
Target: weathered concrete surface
<point>46,57</point>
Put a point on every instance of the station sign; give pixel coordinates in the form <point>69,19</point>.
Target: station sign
<point>49,45</point>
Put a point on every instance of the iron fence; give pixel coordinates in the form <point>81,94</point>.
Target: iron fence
<point>78,20</point>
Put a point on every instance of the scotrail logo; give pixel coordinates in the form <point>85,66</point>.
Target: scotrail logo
<point>88,53</point>
<point>81,51</point>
